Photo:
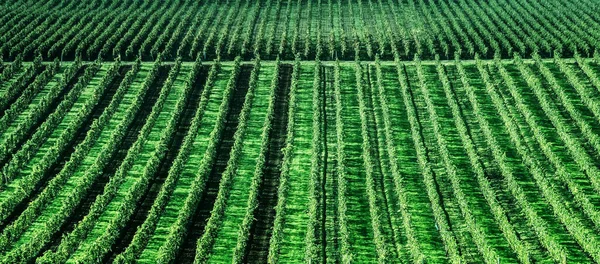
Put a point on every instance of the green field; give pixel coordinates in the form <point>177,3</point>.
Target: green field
<point>280,131</point>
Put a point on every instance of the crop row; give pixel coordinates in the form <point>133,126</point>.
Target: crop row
<point>480,161</point>
<point>310,29</point>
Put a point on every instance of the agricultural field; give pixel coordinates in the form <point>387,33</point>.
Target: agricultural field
<point>280,131</point>
<point>324,29</point>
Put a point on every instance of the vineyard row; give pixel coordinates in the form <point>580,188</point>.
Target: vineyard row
<point>323,29</point>
<point>487,162</point>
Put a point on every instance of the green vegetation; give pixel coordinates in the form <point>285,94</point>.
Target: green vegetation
<point>323,29</point>
<point>292,131</point>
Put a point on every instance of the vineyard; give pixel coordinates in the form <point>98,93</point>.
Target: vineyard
<point>300,131</point>
<point>323,29</point>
